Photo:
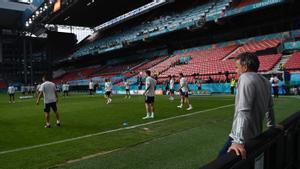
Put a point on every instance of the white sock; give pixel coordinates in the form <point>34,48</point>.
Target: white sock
<point>152,114</point>
<point>48,124</point>
<point>148,115</point>
<point>190,105</point>
<point>57,121</point>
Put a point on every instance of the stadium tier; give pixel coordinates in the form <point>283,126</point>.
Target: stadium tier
<point>149,64</point>
<point>218,66</point>
<point>267,62</point>
<point>76,74</point>
<point>167,23</point>
<point>204,68</point>
<point>204,63</point>
<point>219,8</point>
<point>2,85</point>
<point>210,54</point>
<point>293,63</point>
<point>246,2</point>
<point>164,24</point>
<point>256,46</point>
<point>116,69</point>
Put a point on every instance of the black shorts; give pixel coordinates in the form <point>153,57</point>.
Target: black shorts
<point>108,93</point>
<point>127,90</point>
<point>184,94</point>
<point>11,94</point>
<point>172,91</point>
<point>149,99</point>
<point>50,105</point>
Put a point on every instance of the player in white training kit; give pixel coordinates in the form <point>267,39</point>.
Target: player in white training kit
<point>48,90</point>
<point>127,88</point>
<point>11,92</point>
<point>108,90</point>
<point>149,95</point>
<point>171,88</point>
<point>184,93</point>
<point>65,89</point>
<point>91,87</point>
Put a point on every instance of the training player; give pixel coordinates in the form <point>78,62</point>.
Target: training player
<point>149,95</point>
<point>91,87</point>
<point>127,88</point>
<point>108,90</point>
<point>11,92</point>
<point>65,89</point>
<point>48,89</point>
<point>171,87</point>
<point>184,94</point>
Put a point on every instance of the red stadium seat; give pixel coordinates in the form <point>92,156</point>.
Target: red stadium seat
<point>256,46</point>
<point>2,85</point>
<point>246,2</point>
<point>294,62</point>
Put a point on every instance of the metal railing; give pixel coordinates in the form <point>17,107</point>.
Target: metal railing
<point>273,149</point>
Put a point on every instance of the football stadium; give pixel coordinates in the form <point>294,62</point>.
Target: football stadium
<point>149,84</point>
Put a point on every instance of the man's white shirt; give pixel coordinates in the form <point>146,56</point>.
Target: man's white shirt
<point>108,86</point>
<point>65,87</point>
<point>91,86</point>
<point>38,87</point>
<point>48,89</point>
<point>184,85</point>
<point>172,84</point>
<point>126,85</point>
<point>274,81</point>
<point>150,83</point>
<point>11,90</point>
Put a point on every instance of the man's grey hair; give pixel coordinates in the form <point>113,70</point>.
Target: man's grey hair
<point>250,60</point>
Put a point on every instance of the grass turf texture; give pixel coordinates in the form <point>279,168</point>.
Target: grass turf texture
<point>186,142</point>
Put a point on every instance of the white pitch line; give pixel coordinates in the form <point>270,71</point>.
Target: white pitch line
<point>109,131</point>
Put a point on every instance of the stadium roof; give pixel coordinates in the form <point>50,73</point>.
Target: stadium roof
<point>90,13</point>
<point>11,13</point>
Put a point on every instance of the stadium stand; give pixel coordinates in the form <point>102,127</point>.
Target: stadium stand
<point>294,62</point>
<point>246,2</point>
<point>76,74</point>
<point>163,24</point>
<point>202,68</point>
<point>217,66</point>
<point>256,46</point>
<point>163,66</point>
<point>212,62</point>
<point>149,64</point>
<point>219,8</point>
<point>211,54</point>
<point>115,69</point>
<point>2,85</point>
<point>267,62</point>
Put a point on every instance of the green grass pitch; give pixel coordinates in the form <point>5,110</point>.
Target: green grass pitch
<point>170,141</point>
